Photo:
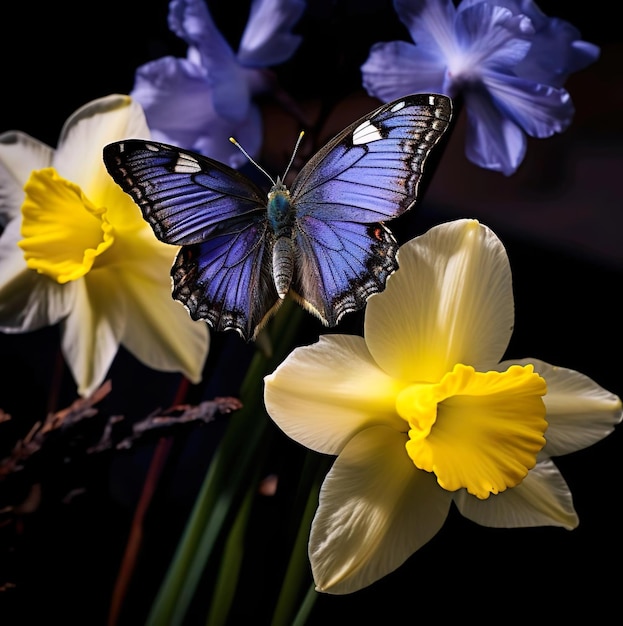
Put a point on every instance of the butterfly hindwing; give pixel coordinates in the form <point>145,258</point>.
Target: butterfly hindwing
<point>368,173</point>
<point>227,280</point>
<point>341,265</point>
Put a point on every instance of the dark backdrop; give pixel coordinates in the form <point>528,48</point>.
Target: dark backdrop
<point>560,217</point>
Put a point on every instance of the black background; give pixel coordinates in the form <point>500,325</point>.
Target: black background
<point>560,217</point>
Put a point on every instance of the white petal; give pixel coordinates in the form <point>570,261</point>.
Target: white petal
<point>86,132</point>
<point>449,302</point>
<point>376,509</point>
<point>28,300</point>
<point>322,394</point>
<point>579,411</point>
<point>542,499</point>
<point>159,331</point>
<point>19,155</point>
<point>92,331</point>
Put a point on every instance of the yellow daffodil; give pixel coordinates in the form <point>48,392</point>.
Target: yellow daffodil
<point>421,413</point>
<point>76,250</point>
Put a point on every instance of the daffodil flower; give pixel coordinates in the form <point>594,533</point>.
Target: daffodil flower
<point>422,413</point>
<point>76,250</point>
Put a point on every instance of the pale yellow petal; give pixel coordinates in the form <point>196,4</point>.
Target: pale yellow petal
<point>324,393</point>
<point>449,302</point>
<point>579,411</point>
<point>542,499</point>
<point>92,331</point>
<point>79,154</point>
<point>19,155</point>
<point>159,331</point>
<point>28,300</point>
<point>375,510</point>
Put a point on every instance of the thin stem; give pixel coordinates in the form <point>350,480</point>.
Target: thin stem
<point>225,480</point>
<point>135,537</point>
<point>298,567</point>
<point>306,607</point>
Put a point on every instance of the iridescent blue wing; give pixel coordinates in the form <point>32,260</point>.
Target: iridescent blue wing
<point>367,174</point>
<point>223,272</point>
<point>228,281</point>
<point>184,196</point>
<point>340,265</point>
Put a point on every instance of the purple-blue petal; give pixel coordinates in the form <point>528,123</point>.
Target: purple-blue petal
<point>174,94</point>
<point>429,22</point>
<point>557,48</point>
<point>398,68</point>
<point>540,110</point>
<point>494,35</point>
<point>267,39</point>
<point>177,102</point>
<point>557,51</point>
<point>213,140</point>
<point>493,141</point>
<point>191,21</point>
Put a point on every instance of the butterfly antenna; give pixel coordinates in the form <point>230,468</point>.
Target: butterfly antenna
<point>259,167</point>
<point>296,147</point>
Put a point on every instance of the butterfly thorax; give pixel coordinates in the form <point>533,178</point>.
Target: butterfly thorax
<point>281,220</point>
<point>279,208</point>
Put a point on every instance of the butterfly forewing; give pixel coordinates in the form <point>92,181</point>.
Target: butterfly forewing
<point>184,196</point>
<point>367,174</point>
<point>371,171</point>
<point>222,274</point>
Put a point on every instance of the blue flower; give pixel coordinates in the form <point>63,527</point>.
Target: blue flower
<point>200,101</point>
<point>506,59</point>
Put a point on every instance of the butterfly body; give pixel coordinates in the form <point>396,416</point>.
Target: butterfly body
<point>323,240</point>
<point>280,216</point>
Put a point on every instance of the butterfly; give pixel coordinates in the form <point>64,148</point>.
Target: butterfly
<point>323,240</point>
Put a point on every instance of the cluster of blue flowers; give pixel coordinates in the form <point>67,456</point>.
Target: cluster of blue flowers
<point>506,60</point>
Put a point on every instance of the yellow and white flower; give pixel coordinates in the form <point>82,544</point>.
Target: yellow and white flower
<point>421,413</point>
<point>76,250</point>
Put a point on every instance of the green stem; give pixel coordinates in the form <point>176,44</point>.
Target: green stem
<point>298,567</point>
<point>225,480</point>
<point>306,607</point>
<point>231,562</point>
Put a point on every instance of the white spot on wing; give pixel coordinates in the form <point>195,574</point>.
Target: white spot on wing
<point>398,106</point>
<point>186,165</point>
<point>366,133</point>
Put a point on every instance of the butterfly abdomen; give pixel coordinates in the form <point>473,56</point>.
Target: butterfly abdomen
<point>283,264</point>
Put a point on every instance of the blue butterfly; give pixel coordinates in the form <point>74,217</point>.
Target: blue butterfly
<point>323,241</point>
